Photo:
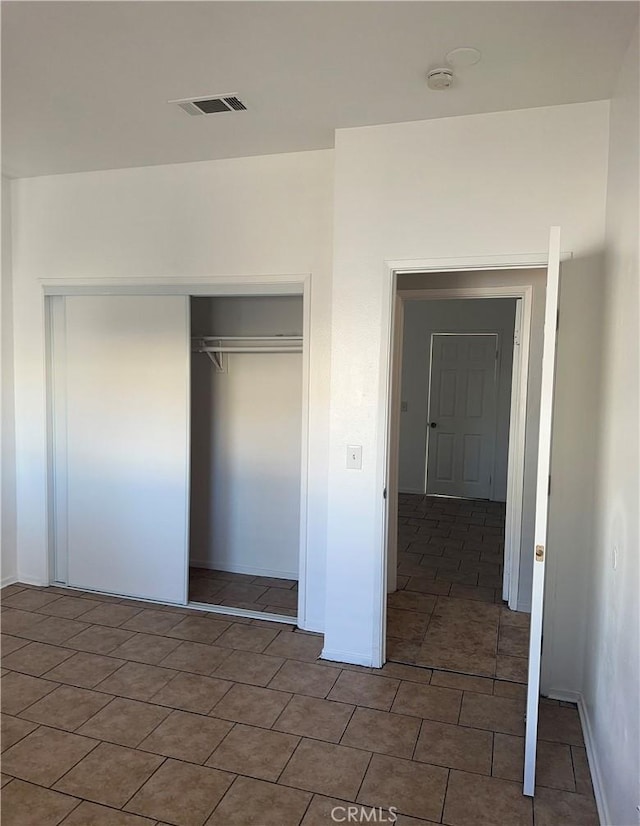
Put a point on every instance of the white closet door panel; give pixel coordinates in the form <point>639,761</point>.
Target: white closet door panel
<point>127,411</point>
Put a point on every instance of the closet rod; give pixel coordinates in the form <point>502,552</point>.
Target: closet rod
<point>248,350</point>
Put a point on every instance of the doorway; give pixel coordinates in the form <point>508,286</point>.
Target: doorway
<point>453,448</point>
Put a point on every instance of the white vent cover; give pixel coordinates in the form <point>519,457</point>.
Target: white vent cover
<point>210,104</point>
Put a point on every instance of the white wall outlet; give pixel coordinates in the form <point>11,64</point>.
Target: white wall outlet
<point>354,457</point>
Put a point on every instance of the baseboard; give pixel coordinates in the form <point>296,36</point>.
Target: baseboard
<point>8,580</point>
<point>411,491</point>
<point>592,758</point>
<point>351,657</point>
<point>29,580</point>
<point>250,570</point>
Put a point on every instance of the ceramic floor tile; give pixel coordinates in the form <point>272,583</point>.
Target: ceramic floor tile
<point>311,717</point>
<point>492,713</point>
<point>246,667</point>
<point>252,705</point>
<point>296,646</point>
<point>13,729</point>
<point>463,682</point>
<point>15,621</point>
<point>45,755</point>
<point>247,638</point>
<point>581,771</point>
<point>36,658</point>
<point>196,657</point>
<point>553,807</point>
<point>92,814</point>
<point>24,804</point>
<point>146,648</point>
<point>152,621</point>
<point>554,767</point>
<point>414,789</point>
<point>198,629</point>
<point>192,692</point>
<point>515,669</point>
<point>403,671</point>
<point>454,747</point>
<point>165,793</point>
<point>251,801</point>
<point>54,630</point>
<point>325,768</point>
<point>67,707</point>
<point>84,670</point>
<point>279,598</point>
<point>412,601</point>
<point>305,678</point>
<point>18,691</point>
<point>30,599</point>
<point>125,722</point>
<point>513,641</point>
<point>186,736</point>
<point>69,607</point>
<point>254,752</point>
<point>380,731</point>
<point>110,774</point>
<point>559,725</point>
<point>110,614</point>
<point>403,651</point>
<point>429,702</point>
<point>98,639</point>
<point>9,643</point>
<point>365,690</point>
<point>475,800</point>
<point>136,681</point>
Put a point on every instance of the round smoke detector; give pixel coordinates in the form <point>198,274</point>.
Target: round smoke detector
<point>440,79</point>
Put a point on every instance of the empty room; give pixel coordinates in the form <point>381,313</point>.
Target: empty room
<point>320,459</point>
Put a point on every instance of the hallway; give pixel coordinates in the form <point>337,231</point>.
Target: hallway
<point>448,611</point>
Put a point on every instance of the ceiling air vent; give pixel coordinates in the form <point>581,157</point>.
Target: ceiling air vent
<point>210,105</point>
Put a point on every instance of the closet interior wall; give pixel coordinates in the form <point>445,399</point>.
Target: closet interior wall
<point>246,443</point>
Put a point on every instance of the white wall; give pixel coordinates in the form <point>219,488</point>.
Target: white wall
<point>8,561</point>
<point>421,320</point>
<point>469,186</point>
<point>224,219</point>
<point>245,441</point>
<point>611,613</point>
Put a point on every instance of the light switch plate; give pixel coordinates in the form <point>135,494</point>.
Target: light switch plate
<point>354,457</point>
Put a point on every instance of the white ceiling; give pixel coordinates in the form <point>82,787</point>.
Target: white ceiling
<point>85,85</point>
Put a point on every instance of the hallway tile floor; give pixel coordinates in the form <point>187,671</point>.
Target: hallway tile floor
<point>119,713</point>
<point>448,612</point>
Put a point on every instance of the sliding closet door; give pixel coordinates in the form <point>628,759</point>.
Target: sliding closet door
<point>126,367</point>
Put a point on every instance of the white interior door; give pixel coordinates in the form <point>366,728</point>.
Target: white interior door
<point>462,415</point>
<point>125,362</point>
<point>542,507</point>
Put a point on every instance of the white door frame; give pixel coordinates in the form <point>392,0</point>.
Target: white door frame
<point>259,285</point>
<point>387,447</point>
<point>498,338</point>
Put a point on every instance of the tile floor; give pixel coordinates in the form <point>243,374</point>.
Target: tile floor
<point>116,713</point>
<point>254,593</point>
<point>448,612</point>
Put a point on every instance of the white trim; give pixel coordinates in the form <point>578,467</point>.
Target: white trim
<point>10,579</point>
<point>516,261</point>
<point>520,373</point>
<point>233,568</point>
<point>351,657</point>
<point>31,580</point>
<point>255,285</point>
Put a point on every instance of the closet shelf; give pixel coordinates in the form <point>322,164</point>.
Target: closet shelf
<point>215,346</point>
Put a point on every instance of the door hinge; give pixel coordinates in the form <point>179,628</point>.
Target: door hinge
<point>549,486</point>
<point>557,320</point>
<point>384,493</point>
<point>516,337</point>
<point>539,553</point>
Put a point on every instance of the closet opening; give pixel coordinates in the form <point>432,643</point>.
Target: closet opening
<point>245,454</point>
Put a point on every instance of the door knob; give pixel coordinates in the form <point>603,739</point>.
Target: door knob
<point>432,424</point>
